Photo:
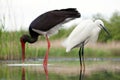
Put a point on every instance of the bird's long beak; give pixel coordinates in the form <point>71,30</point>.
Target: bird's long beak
<point>23,51</point>
<point>105,29</point>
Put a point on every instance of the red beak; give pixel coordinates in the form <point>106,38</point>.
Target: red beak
<point>23,51</point>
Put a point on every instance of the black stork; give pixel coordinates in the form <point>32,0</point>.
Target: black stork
<point>47,24</point>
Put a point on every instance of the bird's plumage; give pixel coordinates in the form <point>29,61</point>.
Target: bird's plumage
<point>50,21</point>
<point>47,24</point>
<point>86,31</point>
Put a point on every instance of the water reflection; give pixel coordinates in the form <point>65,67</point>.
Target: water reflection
<point>61,70</point>
<point>23,73</point>
<point>82,72</point>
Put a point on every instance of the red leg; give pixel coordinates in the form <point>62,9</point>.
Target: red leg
<point>45,62</point>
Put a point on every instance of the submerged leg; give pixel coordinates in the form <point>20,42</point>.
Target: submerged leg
<point>23,73</point>
<point>45,62</point>
<point>80,76</point>
<point>82,64</point>
<point>82,51</point>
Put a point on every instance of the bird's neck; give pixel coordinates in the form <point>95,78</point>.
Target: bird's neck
<point>32,39</point>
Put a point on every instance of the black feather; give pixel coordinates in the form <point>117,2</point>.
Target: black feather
<point>52,18</point>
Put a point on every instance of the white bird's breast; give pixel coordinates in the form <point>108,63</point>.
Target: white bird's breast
<point>94,34</point>
<point>80,34</point>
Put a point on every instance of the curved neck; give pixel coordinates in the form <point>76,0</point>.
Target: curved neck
<point>23,40</point>
<point>31,39</point>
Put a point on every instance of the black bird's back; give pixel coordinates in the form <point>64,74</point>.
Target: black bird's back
<point>52,18</point>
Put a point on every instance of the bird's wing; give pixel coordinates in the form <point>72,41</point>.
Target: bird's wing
<point>78,35</point>
<point>50,19</point>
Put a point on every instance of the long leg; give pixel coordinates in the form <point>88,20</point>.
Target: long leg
<point>82,65</point>
<point>82,52</point>
<point>80,76</point>
<point>45,62</point>
<point>80,58</point>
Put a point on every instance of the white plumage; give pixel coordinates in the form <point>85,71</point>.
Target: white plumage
<point>87,30</point>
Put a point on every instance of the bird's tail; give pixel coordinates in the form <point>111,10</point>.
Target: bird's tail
<point>72,12</point>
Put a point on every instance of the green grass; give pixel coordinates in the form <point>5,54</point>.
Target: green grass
<point>14,52</point>
<point>10,48</point>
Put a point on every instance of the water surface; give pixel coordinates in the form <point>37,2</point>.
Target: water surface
<point>62,69</point>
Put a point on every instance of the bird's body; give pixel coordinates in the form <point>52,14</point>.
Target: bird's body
<point>47,24</point>
<point>86,31</point>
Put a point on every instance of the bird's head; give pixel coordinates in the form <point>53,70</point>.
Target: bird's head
<point>24,38</point>
<point>100,24</point>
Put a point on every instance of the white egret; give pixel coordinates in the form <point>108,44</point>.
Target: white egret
<point>87,30</point>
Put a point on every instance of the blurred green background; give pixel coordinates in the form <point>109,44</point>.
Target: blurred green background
<point>10,47</point>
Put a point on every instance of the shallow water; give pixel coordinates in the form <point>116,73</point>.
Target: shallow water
<point>63,59</point>
<point>62,69</point>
